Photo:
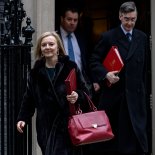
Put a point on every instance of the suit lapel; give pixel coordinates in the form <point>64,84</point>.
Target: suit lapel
<point>125,44</point>
<point>121,38</point>
<point>133,45</point>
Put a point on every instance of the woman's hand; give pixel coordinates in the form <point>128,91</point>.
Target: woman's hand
<point>73,97</point>
<point>20,126</point>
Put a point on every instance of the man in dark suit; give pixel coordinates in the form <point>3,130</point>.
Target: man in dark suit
<point>125,100</point>
<point>69,26</point>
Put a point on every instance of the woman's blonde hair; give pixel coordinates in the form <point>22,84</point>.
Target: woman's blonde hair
<point>37,51</point>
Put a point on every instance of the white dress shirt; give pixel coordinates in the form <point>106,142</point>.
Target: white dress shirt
<point>76,47</point>
<point>125,32</point>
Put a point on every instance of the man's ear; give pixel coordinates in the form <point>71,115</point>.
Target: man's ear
<point>120,16</point>
<point>62,18</point>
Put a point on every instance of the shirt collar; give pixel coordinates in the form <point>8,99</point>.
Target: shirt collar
<point>63,32</point>
<point>125,32</point>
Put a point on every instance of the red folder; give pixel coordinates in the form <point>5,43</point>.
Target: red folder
<point>113,60</point>
<point>70,82</point>
<point>71,85</point>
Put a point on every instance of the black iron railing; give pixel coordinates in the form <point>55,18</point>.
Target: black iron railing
<point>15,63</point>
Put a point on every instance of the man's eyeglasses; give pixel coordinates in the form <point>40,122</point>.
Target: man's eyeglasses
<point>127,19</point>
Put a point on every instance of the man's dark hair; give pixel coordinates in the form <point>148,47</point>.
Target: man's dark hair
<point>71,5</point>
<point>127,7</point>
<point>73,9</point>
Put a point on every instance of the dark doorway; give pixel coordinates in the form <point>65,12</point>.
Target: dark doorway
<point>98,16</point>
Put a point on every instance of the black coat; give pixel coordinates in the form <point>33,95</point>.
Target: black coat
<point>48,97</point>
<point>125,101</point>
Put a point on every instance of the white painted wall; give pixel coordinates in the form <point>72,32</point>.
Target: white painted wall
<point>42,14</point>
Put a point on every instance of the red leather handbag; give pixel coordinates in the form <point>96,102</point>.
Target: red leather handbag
<point>91,127</point>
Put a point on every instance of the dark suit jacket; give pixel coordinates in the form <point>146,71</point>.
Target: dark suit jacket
<point>131,86</point>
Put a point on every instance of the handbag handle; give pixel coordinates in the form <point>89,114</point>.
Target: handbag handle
<point>91,105</point>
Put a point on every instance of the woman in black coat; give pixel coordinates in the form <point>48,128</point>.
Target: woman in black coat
<point>46,92</point>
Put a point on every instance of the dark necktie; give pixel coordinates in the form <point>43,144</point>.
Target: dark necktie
<point>70,48</point>
<point>129,37</point>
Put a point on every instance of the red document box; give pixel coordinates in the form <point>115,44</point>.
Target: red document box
<point>70,82</point>
<point>71,85</point>
<point>113,60</point>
